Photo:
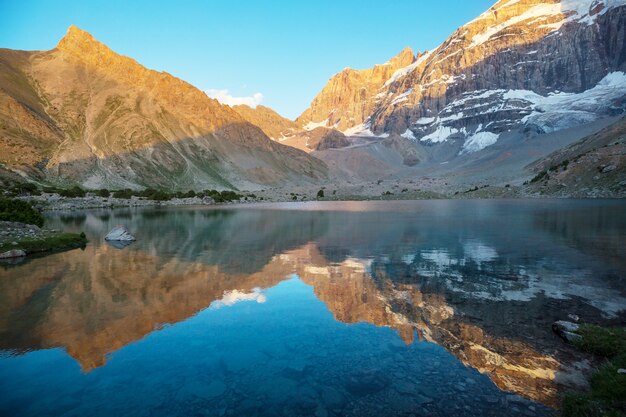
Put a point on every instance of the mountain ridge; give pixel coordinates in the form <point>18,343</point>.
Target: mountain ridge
<point>87,115</point>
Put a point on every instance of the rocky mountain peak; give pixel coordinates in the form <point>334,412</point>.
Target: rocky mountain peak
<point>404,58</point>
<point>81,42</point>
<point>350,95</point>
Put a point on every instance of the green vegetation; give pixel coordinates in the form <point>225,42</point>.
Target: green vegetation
<point>475,188</point>
<point>602,341</point>
<point>55,242</point>
<point>75,191</point>
<point>22,188</point>
<point>540,176</point>
<point>545,175</point>
<point>125,193</point>
<point>320,194</point>
<point>51,190</point>
<point>19,211</point>
<point>608,386</point>
<point>152,194</point>
<point>103,193</point>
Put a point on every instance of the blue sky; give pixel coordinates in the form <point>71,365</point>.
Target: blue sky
<point>282,51</point>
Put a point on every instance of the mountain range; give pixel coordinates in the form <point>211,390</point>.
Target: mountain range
<point>523,80</point>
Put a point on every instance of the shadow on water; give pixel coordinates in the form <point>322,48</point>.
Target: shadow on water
<point>265,293</point>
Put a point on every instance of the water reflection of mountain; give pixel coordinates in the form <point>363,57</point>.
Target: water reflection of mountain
<point>487,296</point>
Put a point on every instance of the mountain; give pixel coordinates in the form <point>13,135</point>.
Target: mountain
<point>81,113</point>
<point>350,96</point>
<point>271,123</point>
<point>527,67</point>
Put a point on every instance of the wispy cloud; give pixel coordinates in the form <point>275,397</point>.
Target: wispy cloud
<point>224,97</point>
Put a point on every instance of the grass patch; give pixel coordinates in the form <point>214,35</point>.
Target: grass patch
<point>602,341</point>
<point>607,383</point>
<point>607,397</point>
<point>56,242</point>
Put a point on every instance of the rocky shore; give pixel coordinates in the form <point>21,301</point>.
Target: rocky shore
<point>47,201</point>
<point>18,240</point>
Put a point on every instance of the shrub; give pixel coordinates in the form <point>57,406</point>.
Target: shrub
<point>75,191</point>
<point>156,195</point>
<point>103,193</point>
<point>51,190</point>
<point>19,211</point>
<point>125,193</point>
<point>540,176</point>
<point>320,194</point>
<point>25,188</point>
<point>230,195</point>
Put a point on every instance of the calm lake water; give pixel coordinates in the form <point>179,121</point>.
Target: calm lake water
<point>435,308</point>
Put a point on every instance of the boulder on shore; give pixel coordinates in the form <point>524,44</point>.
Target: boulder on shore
<point>13,253</point>
<point>567,331</point>
<point>119,234</point>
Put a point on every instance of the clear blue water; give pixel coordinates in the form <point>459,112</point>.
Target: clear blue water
<point>432,308</point>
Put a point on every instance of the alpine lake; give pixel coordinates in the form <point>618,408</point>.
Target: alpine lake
<point>408,308</point>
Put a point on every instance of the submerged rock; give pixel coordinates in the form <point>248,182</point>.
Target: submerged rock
<point>567,329</point>
<point>13,253</point>
<point>119,234</point>
<point>367,383</point>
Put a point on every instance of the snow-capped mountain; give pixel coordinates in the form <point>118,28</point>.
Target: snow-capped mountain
<point>536,66</point>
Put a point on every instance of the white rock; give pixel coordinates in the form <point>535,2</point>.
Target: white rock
<point>567,329</point>
<point>120,233</point>
<point>13,253</point>
<point>567,326</point>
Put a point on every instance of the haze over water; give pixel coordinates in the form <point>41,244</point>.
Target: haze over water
<point>356,308</point>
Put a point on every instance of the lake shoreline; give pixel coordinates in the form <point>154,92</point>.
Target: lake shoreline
<point>54,202</point>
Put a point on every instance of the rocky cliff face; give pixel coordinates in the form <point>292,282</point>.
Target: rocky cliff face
<point>533,65</point>
<point>271,123</point>
<point>350,96</point>
<point>81,113</point>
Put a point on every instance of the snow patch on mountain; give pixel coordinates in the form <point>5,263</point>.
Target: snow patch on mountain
<point>441,134</point>
<point>408,134</point>
<point>479,141</point>
<point>364,131</point>
<point>313,125</point>
<point>559,111</point>
<point>543,114</point>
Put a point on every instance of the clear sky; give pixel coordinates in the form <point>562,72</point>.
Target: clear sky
<point>280,53</point>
